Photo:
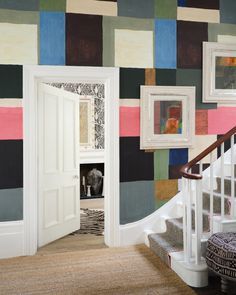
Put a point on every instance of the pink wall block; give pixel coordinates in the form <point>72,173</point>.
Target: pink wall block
<point>221,120</point>
<point>129,121</point>
<point>11,123</point>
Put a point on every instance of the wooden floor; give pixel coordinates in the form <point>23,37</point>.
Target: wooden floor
<point>95,203</point>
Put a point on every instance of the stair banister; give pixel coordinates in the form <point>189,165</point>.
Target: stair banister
<point>192,198</point>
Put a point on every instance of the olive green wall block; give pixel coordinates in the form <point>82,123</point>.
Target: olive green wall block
<point>220,29</point>
<point>166,9</point>
<point>111,23</point>
<point>52,5</point>
<point>193,77</point>
<point>19,17</point>
<point>161,164</point>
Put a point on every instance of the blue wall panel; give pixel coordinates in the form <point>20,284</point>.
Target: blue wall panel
<point>52,38</point>
<point>178,156</point>
<point>165,41</point>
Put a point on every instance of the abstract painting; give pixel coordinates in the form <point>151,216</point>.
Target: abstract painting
<point>167,117</point>
<point>219,72</point>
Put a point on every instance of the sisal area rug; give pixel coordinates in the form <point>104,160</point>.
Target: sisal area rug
<point>133,270</point>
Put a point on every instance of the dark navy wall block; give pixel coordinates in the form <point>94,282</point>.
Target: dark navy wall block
<point>11,168</point>
<point>135,164</point>
<point>178,156</point>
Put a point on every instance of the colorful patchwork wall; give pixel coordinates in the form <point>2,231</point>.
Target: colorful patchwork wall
<point>153,42</point>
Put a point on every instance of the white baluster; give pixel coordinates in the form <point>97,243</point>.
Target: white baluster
<point>185,196</point>
<point>211,193</point>
<point>189,222</point>
<point>222,182</point>
<point>198,220</point>
<point>232,175</point>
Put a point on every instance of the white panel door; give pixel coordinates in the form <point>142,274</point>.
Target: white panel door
<point>58,179</point>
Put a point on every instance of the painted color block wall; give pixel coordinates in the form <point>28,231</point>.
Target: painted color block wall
<point>153,42</point>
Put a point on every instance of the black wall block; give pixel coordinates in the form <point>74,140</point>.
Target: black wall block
<point>130,81</point>
<point>135,164</point>
<point>11,81</point>
<point>11,164</point>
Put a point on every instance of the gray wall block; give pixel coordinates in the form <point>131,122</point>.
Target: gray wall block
<point>136,200</point>
<point>11,204</point>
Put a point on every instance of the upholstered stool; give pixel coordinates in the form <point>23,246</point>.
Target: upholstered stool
<point>221,259</point>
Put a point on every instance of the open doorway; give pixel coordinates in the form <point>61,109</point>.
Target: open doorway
<point>33,75</point>
<point>70,122</point>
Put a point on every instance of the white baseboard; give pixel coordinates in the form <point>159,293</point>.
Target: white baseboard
<point>11,239</point>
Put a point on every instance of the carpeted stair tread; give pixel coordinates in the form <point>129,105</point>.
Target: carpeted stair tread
<point>162,244</point>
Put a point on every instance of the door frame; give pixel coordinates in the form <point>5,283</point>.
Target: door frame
<point>32,75</point>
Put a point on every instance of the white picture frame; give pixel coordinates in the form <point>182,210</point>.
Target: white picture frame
<point>219,85</point>
<point>167,96</point>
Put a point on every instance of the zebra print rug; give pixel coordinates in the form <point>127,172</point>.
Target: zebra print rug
<point>91,222</point>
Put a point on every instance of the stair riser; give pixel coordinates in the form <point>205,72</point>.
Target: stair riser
<point>205,219</point>
<point>227,186</point>
<point>216,204</point>
<point>174,231</point>
<point>159,251</point>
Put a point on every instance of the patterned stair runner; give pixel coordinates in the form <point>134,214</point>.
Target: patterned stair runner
<point>162,244</point>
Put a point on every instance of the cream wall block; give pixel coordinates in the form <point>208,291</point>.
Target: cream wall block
<point>92,7</point>
<point>18,44</point>
<point>201,143</point>
<point>226,39</point>
<point>10,102</point>
<point>129,102</point>
<point>198,14</point>
<point>133,48</point>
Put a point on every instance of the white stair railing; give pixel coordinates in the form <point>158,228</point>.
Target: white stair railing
<point>193,197</point>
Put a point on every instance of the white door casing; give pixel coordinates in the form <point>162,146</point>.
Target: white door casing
<point>32,76</point>
<point>58,163</point>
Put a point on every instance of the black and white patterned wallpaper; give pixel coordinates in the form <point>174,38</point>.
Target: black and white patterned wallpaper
<point>97,91</point>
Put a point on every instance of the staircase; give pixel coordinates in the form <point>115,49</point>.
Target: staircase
<point>207,207</point>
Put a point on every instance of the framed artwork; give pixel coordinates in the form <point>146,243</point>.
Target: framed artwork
<point>219,72</point>
<point>91,180</point>
<point>87,126</point>
<point>167,117</point>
